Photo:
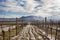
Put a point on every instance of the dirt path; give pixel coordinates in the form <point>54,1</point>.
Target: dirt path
<point>31,32</point>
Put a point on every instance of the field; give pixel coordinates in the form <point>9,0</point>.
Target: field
<point>14,30</point>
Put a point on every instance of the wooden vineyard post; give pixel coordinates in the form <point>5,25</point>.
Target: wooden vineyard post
<point>16,25</point>
<point>51,27</point>
<point>51,32</point>
<point>56,33</point>
<point>46,28</point>
<point>9,33</point>
<point>2,32</point>
<point>45,22</point>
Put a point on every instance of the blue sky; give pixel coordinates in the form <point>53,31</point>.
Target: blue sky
<point>18,8</point>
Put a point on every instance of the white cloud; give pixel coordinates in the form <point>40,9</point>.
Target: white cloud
<point>1,16</point>
<point>14,5</point>
<point>11,6</point>
<point>42,13</point>
<point>46,10</point>
<point>10,16</point>
<point>49,7</point>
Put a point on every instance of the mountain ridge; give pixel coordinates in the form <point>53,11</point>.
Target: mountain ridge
<point>32,18</point>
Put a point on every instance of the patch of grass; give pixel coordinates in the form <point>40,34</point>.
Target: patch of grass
<point>7,34</point>
<point>1,38</point>
<point>13,32</point>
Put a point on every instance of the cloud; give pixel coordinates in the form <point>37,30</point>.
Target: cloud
<point>11,6</point>
<point>14,5</point>
<point>42,8</point>
<point>9,14</point>
<point>2,0</point>
<point>51,7</point>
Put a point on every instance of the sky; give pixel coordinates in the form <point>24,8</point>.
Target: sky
<point>19,8</point>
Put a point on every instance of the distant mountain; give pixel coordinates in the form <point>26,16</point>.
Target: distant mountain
<point>54,18</point>
<point>7,19</point>
<point>31,18</point>
<point>24,18</point>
